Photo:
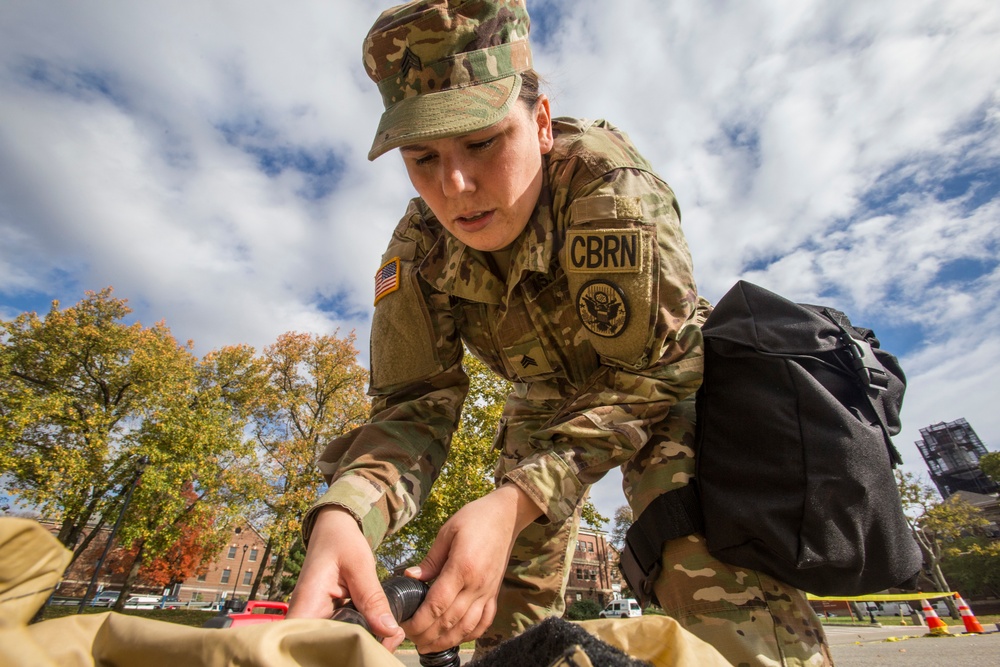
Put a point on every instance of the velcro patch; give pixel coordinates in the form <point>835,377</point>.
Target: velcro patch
<point>528,359</point>
<point>603,308</point>
<point>387,279</point>
<point>606,207</point>
<point>604,251</point>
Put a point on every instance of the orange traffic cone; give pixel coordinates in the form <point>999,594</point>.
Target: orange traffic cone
<point>934,623</point>
<point>971,624</point>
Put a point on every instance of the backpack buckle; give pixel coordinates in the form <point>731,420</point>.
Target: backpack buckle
<point>638,576</point>
<point>865,363</point>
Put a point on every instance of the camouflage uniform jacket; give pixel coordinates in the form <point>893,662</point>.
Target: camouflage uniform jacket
<point>597,325</point>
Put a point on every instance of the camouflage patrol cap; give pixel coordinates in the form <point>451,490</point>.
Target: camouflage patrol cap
<point>445,67</point>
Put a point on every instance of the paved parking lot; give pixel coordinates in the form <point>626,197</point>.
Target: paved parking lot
<point>874,647</point>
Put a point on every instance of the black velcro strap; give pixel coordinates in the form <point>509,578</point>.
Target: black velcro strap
<point>671,515</point>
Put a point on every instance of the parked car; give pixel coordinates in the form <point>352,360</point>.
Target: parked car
<point>626,608</point>
<point>143,602</point>
<point>255,611</point>
<point>896,609</point>
<point>105,599</point>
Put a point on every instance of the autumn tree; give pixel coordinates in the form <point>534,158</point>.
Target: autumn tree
<point>188,555</point>
<point>468,471</point>
<point>315,391</point>
<point>622,521</point>
<point>86,397</point>
<point>75,385</point>
<point>192,442</point>
<point>974,567</point>
<point>937,526</point>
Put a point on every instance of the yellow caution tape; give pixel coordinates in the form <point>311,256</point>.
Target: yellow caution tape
<point>882,597</point>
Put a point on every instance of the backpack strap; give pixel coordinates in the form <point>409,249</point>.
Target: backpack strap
<point>671,515</point>
<point>872,374</point>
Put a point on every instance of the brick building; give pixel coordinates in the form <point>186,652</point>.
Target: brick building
<point>594,575</point>
<point>231,572</point>
<point>76,579</point>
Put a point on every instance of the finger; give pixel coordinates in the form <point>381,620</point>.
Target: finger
<point>437,602</point>
<point>392,642</point>
<point>369,598</point>
<point>489,613</point>
<point>455,628</point>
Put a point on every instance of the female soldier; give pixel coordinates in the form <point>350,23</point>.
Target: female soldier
<point>555,253</point>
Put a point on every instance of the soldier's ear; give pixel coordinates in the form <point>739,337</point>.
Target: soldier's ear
<point>543,121</point>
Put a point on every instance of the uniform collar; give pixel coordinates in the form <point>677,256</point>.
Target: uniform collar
<point>454,268</point>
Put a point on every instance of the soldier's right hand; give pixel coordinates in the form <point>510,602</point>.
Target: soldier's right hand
<point>340,564</point>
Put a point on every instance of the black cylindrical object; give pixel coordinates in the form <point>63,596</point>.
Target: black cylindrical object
<point>404,595</point>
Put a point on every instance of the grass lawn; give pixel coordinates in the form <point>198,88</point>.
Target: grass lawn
<point>192,617</point>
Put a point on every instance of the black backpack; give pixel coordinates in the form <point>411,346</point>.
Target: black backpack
<point>794,470</point>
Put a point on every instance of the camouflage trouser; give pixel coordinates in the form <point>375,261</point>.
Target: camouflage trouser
<point>749,617</point>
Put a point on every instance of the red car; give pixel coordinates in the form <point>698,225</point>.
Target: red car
<point>256,611</point>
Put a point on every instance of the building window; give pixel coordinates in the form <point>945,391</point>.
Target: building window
<point>247,577</point>
<point>202,577</point>
<point>579,596</point>
<point>232,552</point>
<point>590,547</point>
<point>579,573</point>
<point>225,576</point>
<point>253,554</point>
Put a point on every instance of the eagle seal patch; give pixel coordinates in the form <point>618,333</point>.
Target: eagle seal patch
<point>603,308</point>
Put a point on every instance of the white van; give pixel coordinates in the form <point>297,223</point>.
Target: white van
<point>896,609</point>
<point>143,602</point>
<point>626,608</point>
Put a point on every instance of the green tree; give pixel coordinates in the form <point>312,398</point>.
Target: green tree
<point>974,568</point>
<point>73,385</point>
<point>990,465</point>
<point>86,396</point>
<point>315,391</point>
<point>284,582</point>
<point>467,473</point>
<point>583,610</point>
<point>936,526</point>
<point>622,522</point>
<point>192,441</point>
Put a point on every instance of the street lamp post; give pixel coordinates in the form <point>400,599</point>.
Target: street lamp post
<point>239,571</point>
<point>140,468</point>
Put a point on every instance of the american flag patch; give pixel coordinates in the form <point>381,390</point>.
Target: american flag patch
<point>387,279</point>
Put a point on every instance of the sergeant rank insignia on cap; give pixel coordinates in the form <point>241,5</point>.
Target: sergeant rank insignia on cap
<point>603,308</point>
<point>387,279</point>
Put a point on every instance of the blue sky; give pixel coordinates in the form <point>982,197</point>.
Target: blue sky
<point>208,160</point>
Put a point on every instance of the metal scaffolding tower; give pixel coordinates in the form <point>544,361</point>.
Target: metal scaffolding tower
<point>952,452</point>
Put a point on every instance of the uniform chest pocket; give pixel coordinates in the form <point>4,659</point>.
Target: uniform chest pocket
<point>474,324</point>
<point>556,327</point>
